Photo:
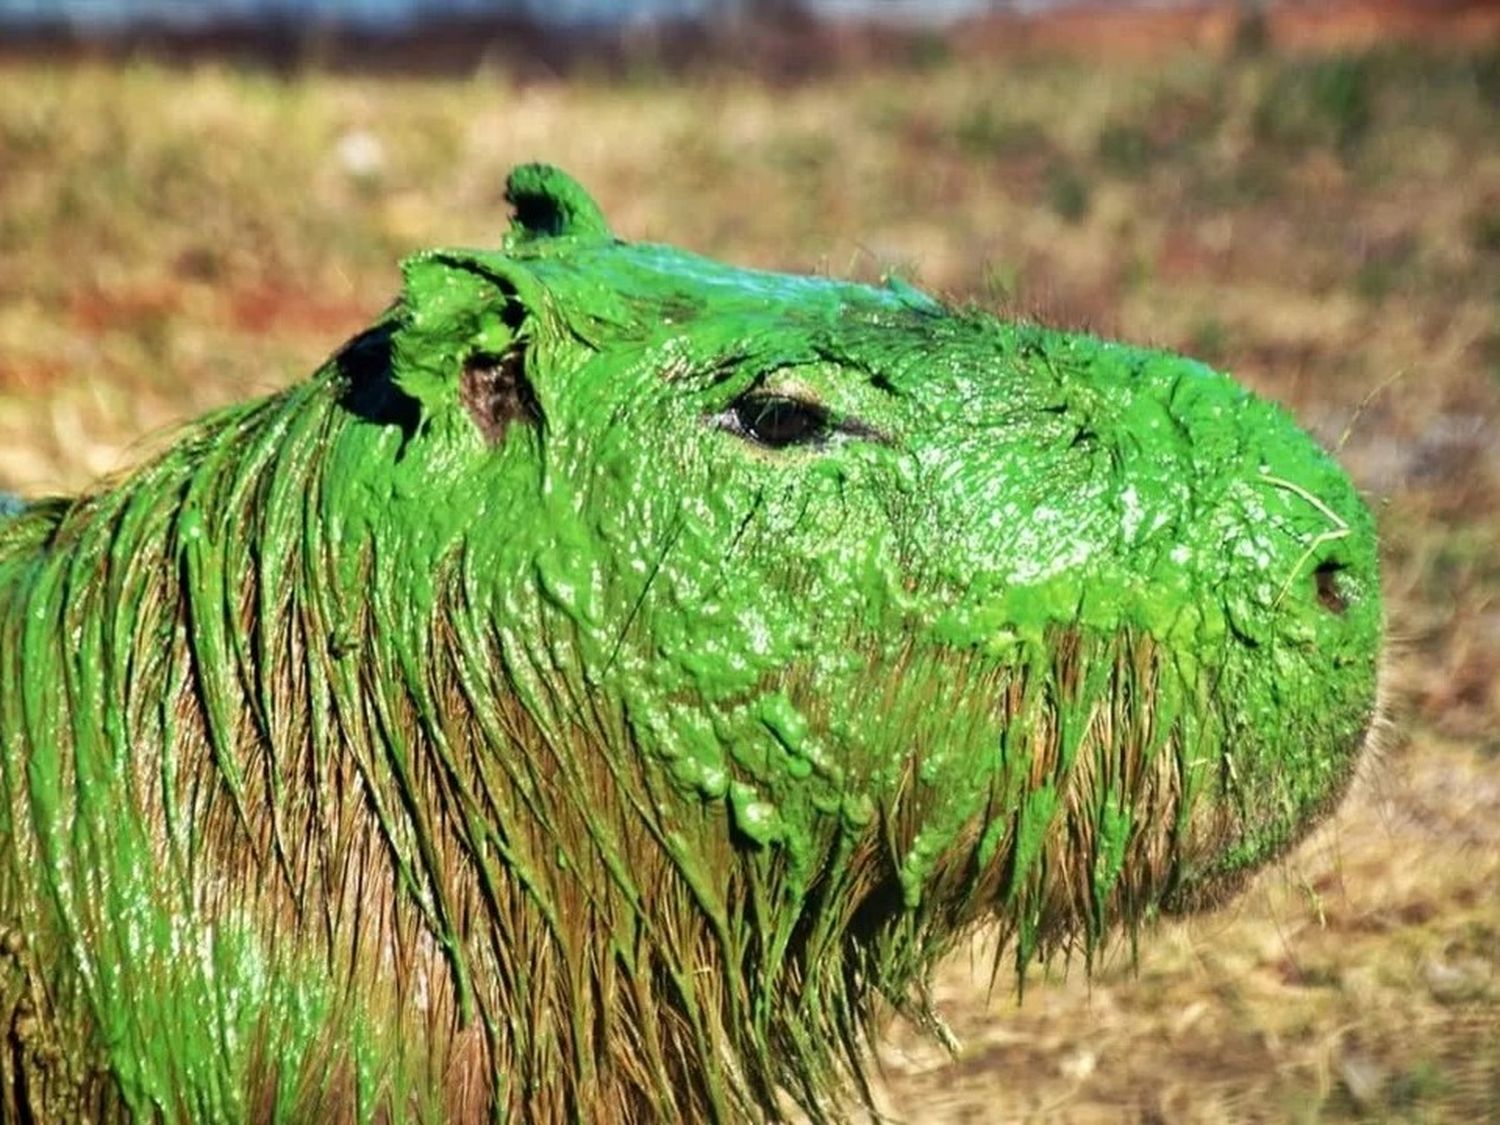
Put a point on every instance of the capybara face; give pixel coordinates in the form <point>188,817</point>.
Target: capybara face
<point>627,670</point>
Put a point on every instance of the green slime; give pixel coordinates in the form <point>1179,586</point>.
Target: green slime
<point>615,677</point>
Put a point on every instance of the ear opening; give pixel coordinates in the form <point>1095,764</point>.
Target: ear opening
<point>495,391</point>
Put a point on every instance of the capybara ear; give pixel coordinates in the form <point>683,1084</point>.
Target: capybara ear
<point>549,203</point>
<point>460,340</point>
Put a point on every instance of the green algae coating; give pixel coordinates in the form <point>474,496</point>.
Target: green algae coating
<point>614,676</point>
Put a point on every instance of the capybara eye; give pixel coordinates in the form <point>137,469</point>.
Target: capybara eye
<point>778,421</point>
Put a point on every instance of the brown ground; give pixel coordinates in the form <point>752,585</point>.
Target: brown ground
<point>1327,226</point>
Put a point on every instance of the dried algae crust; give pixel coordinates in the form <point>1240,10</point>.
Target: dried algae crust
<point>614,676</point>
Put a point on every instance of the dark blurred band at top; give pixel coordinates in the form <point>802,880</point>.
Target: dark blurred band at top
<point>789,39</point>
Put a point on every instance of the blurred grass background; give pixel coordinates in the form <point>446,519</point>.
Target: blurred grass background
<point>1326,225</point>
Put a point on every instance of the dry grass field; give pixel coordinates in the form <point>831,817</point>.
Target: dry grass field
<point>1325,226</point>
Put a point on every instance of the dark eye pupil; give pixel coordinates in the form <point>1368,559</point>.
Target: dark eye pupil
<point>778,422</point>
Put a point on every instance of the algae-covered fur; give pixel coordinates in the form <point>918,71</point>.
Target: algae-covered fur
<point>614,676</point>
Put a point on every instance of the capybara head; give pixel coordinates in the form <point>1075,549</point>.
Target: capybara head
<point>616,676</point>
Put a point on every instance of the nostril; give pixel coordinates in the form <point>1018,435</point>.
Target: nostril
<point>1326,579</point>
